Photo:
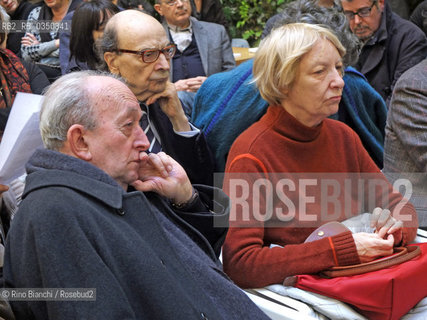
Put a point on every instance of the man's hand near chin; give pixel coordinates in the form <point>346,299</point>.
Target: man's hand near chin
<point>160,173</point>
<point>171,106</point>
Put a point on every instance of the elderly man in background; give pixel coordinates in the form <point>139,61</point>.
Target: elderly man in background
<point>405,149</point>
<point>203,48</point>
<point>148,255</point>
<point>392,45</point>
<point>135,47</point>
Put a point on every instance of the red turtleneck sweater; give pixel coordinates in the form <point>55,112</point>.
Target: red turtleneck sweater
<point>272,148</point>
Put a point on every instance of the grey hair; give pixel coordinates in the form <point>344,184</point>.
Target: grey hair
<point>307,11</point>
<point>67,102</point>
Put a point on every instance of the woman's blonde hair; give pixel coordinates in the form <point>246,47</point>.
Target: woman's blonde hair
<point>279,54</point>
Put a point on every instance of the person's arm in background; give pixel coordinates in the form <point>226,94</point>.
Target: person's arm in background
<point>32,48</point>
<point>64,43</point>
<point>38,79</point>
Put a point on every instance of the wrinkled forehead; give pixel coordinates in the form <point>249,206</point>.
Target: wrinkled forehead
<point>137,35</point>
<point>107,93</point>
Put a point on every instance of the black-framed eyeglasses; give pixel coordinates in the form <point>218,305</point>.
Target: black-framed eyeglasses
<point>151,55</point>
<point>362,12</point>
<point>174,2</point>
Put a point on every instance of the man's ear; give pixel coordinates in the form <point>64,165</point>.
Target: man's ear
<point>158,8</point>
<point>381,4</point>
<point>112,63</point>
<point>77,142</point>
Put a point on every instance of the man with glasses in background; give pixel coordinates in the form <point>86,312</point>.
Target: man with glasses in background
<point>391,45</point>
<point>203,48</point>
<point>135,47</point>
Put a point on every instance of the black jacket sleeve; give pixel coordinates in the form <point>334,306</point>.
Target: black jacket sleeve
<point>192,153</point>
<point>38,80</point>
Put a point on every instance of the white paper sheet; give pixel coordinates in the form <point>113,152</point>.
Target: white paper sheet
<point>21,136</point>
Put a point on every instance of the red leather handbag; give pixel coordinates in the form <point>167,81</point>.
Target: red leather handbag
<point>387,293</point>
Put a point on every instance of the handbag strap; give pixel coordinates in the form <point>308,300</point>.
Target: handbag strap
<point>400,255</point>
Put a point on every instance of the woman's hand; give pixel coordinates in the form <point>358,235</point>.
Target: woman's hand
<point>160,173</point>
<point>29,40</point>
<point>371,246</point>
<point>385,224</point>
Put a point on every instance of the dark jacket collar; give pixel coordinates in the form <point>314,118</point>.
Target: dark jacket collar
<point>47,168</point>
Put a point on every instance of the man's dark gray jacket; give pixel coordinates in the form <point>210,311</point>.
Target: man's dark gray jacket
<point>77,228</point>
<point>396,46</point>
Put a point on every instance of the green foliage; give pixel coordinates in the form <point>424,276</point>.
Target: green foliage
<point>247,18</point>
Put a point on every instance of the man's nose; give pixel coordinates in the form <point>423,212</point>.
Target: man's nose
<point>162,62</point>
<point>141,141</point>
<point>357,19</point>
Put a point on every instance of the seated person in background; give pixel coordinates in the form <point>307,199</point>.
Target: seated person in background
<point>228,103</point>
<point>405,149</point>
<point>88,23</point>
<point>16,76</point>
<point>135,46</point>
<point>43,47</point>
<point>203,48</point>
<point>209,11</point>
<point>295,136</point>
<point>83,209</point>
<point>17,10</point>
<point>141,5</point>
<point>391,44</point>
<point>419,16</point>
<point>93,25</point>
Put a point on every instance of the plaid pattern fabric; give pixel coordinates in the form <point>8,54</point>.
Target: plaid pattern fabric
<point>14,78</point>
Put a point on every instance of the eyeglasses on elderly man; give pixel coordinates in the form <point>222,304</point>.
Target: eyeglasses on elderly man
<point>151,55</point>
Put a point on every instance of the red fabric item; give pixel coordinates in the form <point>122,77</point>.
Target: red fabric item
<point>14,77</point>
<point>278,143</point>
<point>380,295</point>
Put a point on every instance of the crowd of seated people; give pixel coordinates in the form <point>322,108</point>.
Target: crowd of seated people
<point>180,121</point>
<point>361,107</point>
<point>17,75</point>
<point>203,48</point>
